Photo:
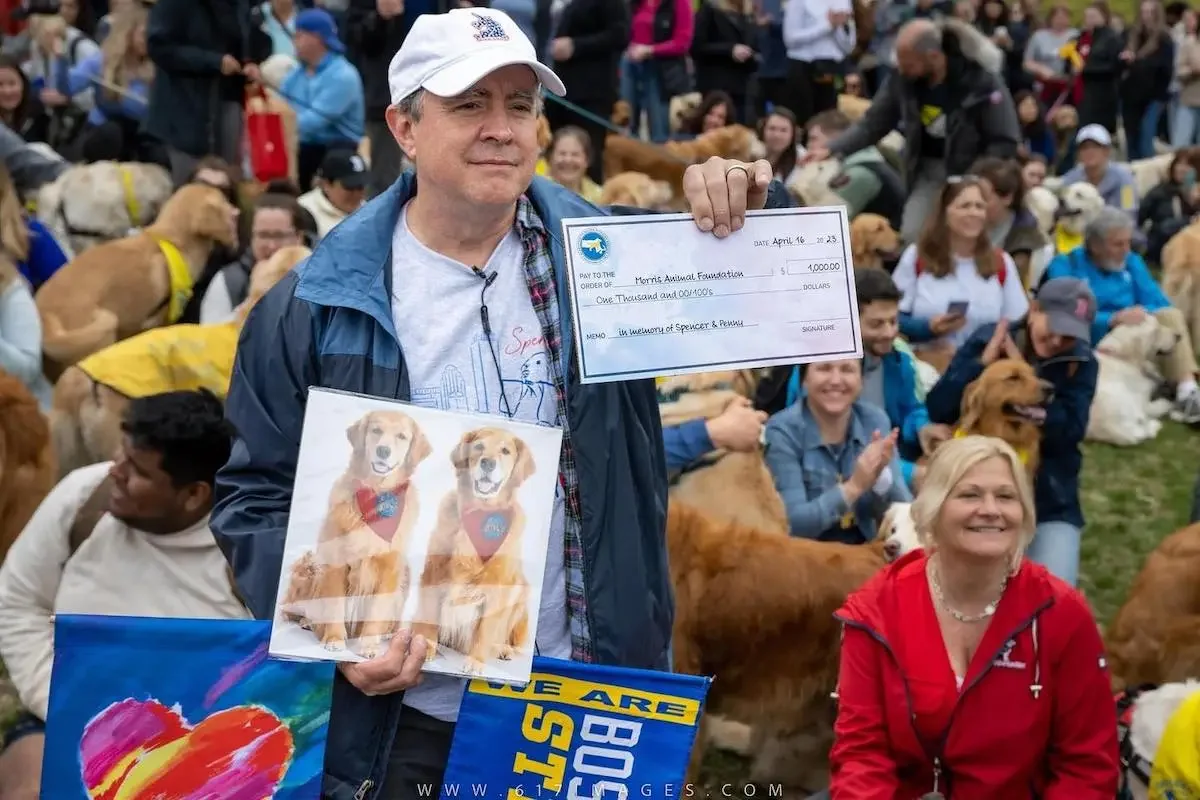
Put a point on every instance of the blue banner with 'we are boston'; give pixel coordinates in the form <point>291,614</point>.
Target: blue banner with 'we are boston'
<point>579,731</point>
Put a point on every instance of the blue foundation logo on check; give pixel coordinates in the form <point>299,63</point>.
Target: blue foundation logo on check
<point>652,295</point>
<point>593,246</point>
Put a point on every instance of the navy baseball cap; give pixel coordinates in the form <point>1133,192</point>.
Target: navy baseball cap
<point>1069,306</point>
<point>319,23</point>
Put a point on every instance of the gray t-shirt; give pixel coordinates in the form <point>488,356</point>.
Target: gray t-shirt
<point>436,308</point>
<point>1044,46</point>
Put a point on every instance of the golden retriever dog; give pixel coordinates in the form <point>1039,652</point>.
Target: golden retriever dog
<point>93,203</point>
<point>1008,401</point>
<point>812,183</point>
<point>351,588</point>
<point>1124,409</point>
<point>1155,635</point>
<point>1078,205</point>
<point>735,487</point>
<point>853,106</point>
<point>27,468</point>
<point>120,288</point>
<point>472,594</point>
<point>755,610</point>
<point>637,190</point>
<point>1181,270</point>
<point>667,162</point>
<point>91,396</point>
<point>872,241</point>
<point>681,108</point>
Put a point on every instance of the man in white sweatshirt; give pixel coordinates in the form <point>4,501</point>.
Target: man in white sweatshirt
<point>128,537</point>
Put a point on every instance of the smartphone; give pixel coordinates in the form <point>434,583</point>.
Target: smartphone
<point>958,307</point>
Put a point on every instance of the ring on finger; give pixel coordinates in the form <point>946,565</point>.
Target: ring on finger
<point>742,167</point>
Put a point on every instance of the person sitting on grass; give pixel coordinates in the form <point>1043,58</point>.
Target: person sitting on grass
<point>128,537</point>
<point>1054,340</point>
<point>1126,293</point>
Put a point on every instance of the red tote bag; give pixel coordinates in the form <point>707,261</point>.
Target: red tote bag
<point>265,137</point>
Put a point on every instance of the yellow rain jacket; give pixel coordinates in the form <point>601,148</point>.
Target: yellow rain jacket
<point>1176,772</point>
<point>175,357</point>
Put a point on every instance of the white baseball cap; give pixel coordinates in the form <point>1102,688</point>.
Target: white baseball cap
<point>446,54</point>
<point>1094,133</point>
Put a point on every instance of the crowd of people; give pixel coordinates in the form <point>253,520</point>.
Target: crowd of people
<point>454,96</point>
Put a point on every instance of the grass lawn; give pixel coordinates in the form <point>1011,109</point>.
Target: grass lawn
<point>1132,498</point>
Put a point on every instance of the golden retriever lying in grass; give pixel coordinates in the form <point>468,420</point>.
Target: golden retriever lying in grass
<point>755,610</point>
<point>351,589</point>
<point>91,396</point>
<point>1155,635</point>
<point>117,289</point>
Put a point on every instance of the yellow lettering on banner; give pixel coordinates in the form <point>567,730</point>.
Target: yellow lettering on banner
<point>597,697</point>
<point>539,726</point>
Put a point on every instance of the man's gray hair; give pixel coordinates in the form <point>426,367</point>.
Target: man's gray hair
<point>928,41</point>
<point>411,106</point>
<point>1107,221</point>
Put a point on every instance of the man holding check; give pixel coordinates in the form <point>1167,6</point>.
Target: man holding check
<point>398,294</point>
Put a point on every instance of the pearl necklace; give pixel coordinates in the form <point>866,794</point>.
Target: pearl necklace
<point>988,610</point>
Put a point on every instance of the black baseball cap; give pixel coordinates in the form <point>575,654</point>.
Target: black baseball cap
<point>344,167</point>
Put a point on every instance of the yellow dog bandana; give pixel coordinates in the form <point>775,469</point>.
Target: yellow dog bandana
<point>1176,772</point>
<point>1065,241</point>
<point>181,280</point>
<point>960,433</point>
<point>175,357</point>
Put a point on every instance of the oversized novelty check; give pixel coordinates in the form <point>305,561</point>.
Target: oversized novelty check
<point>653,295</point>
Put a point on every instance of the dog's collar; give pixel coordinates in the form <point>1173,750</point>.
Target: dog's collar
<point>961,433</point>
<point>382,508</point>
<point>487,528</point>
<point>1064,240</point>
<point>181,283</point>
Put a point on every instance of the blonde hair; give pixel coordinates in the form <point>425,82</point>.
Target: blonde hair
<point>950,462</point>
<point>119,66</point>
<point>14,234</point>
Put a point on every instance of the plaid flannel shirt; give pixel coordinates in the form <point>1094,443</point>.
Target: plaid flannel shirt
<point>543,292</point>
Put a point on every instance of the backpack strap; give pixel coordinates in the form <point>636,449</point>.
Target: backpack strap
<point>93,509</point>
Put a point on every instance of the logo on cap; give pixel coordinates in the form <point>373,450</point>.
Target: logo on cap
<point>1081,308</point>
<point>593,246</point>
<point>489,29</point>
<point>356,164</point>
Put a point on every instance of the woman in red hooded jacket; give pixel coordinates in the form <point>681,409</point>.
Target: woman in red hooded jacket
<point>970,673</point>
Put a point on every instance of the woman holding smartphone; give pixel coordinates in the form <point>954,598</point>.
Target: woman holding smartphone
<point>953,280</point>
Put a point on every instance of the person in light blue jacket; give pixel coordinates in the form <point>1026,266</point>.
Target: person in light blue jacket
<point>833,457</point>
<point>1126,293</point>
<point>325,90</point>
<point>118,77</point>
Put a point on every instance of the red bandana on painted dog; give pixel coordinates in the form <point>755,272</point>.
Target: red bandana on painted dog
<point>487,528</point>
<point>382,509</point>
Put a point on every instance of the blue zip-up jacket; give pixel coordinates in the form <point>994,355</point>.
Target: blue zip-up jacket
<point>1073,375</point>
<point>685,443</point>
<point>1114,291</point>
<point>329,103</point>
<point>329,323</point>
<point>901,403</point>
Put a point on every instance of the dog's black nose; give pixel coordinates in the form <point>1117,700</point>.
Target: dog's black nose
<point>383,451</point>
<point>487,464</point>
<point>891,549</point>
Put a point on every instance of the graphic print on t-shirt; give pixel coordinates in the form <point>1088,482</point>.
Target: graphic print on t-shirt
<point>934,121</point>
<point>528,386</point>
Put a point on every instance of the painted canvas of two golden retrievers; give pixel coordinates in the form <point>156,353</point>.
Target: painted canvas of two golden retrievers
<point>470,594</point>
